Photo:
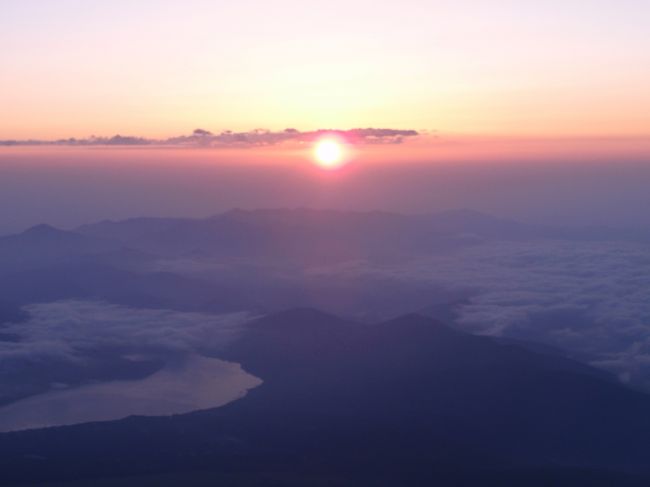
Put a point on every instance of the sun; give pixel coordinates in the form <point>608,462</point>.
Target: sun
<point>329,153</point>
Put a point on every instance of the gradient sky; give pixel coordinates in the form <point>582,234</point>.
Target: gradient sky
<point>161,68</point>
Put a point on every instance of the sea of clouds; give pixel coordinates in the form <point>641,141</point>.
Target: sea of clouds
<point>591,299</point>
<point>44,367</point>
<point>73,330</point>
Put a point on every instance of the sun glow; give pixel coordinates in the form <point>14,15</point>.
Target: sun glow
<point>329,154</point>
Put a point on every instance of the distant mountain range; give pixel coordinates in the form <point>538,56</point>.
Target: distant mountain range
<point>290,234</point>
<point>302,235</point>
<point>329,234</point>
<point>403,402</point>
<point>261,260</point>
<point>356,400</point>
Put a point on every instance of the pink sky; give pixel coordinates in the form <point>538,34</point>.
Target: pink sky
<point>556,68</point>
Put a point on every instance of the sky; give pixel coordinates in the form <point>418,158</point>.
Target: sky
<point>558,68</point>
<point>537,111</point>
<point>67,187</point>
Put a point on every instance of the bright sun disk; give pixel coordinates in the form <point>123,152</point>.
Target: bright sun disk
<point>329,154</point>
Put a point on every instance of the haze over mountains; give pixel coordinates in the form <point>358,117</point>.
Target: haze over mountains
<point>68,187</point>
<point>555,391</point>
<point>561,286</point>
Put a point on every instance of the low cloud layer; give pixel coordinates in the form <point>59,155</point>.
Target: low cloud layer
<point>71,343</point>
<point>228,138</point>
<point>76,361</point>
<point>75,330</point>
<point>587,298</point>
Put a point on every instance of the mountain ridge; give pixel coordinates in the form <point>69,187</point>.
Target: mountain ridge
<point>367,401</point>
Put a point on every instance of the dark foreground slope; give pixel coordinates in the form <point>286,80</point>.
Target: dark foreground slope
<point>406,402</point>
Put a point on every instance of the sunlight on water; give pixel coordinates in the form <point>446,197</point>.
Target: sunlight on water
<point>200,383</point>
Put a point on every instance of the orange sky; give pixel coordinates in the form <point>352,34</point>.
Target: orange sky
<point>162,68</point>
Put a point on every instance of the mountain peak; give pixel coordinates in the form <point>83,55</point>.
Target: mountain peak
<point>45,230</point>
<point>299,317</point>
<point>415,319</point>
<point>469,215</point>
<point>415,328</point>
<point>42,228</point>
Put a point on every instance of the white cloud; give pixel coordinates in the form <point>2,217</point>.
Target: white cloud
<point>74,330</point>
<point>589,298</point>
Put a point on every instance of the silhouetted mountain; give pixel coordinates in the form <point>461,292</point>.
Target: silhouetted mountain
<point>41,235</point>
<point>117,262</point>
<point>404,402</point>
<point>300,234</point>
<point>96,281</point>
<point>470,221</point>
<point>46,245</point>
<point>286,243</point>
<point>304,234</point>
<point>414,369</point>
<point>328,235</point>
<point>130,230</point>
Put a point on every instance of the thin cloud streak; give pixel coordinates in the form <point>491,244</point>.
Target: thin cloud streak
<point>228,139</point>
